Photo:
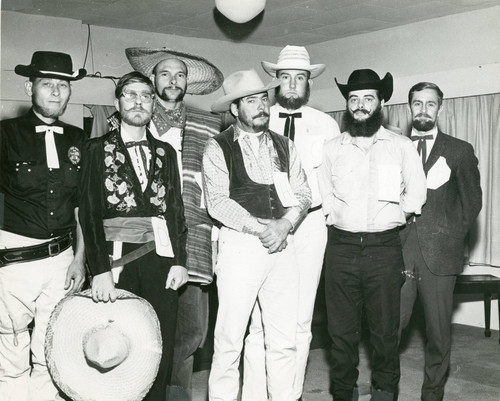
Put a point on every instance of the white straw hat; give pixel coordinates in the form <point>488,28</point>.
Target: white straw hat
<point>202,78</point>
<point>293,58</point>
<point>103,351</point>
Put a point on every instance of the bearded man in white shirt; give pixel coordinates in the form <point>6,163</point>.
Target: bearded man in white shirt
<point>371,182</point>
<point>309,129</point>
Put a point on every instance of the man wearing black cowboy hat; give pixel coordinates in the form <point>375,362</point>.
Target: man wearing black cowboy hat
<point>175,74</point>
<point>39,174</point>
<point>371,180</point>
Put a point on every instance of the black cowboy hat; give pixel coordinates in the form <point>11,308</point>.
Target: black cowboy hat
<point>50,65</point>
<point>367,79</point>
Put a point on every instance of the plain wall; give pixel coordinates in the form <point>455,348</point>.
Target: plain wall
<point>461,53</point>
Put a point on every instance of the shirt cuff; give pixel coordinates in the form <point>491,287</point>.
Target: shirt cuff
<point>293,216</point>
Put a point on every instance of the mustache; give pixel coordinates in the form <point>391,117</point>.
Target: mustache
<point>361,110</point>
<point>263,114</point>
<point>173,87</point>
<point>423,115</point>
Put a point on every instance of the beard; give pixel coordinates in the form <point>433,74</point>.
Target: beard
<point>423,125</point>
<point>50,112</point>
<point>164,95</point>
<point>292,103</point>
<point>135,119</point>
<point>365,128</point>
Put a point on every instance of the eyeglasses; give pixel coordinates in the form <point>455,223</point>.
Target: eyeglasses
<point>132,97</point>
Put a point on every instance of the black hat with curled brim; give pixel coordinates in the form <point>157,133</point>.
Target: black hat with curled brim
<point>46,64</point>
<point>202,78</point>
<point>367,79</point>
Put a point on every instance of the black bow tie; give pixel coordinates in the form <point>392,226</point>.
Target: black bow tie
<point>290,123</point>
<point>422,145</point>
<point>418,137</point>
<point>136,143</point>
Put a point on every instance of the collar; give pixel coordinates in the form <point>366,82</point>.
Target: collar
<point>281,109</point>
<point>127,138</point>
<point>36,121</point>
<point>433,132</point>
<point>380,135</point>
<point>238,132</point>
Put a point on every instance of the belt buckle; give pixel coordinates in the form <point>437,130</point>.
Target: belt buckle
<point>56,246</point>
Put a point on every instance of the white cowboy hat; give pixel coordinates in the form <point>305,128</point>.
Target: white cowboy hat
<point>293,58</point>
<point>103,351</point>
<point>203,77</point>
<point>240,84</point>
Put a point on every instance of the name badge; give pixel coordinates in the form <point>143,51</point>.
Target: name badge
<point>162,237</point>
<point>284,190</point>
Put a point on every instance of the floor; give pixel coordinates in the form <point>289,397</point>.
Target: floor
<point>474,373</point>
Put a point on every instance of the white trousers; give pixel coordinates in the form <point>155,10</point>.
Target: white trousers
<point>28,291</point>
<point>310,242</point>
<point>247,273</point>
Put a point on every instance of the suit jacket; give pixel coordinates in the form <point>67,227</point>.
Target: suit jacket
<point>451,208</point>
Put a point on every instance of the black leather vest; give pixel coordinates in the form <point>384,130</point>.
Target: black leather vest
<point>260,200</point>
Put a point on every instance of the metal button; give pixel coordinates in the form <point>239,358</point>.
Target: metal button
<point>51,213</point>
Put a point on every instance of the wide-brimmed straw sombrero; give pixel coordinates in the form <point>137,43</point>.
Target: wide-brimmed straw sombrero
<point>293,58</point>
<point>103,351</point>
<point>202,78</point>
<point>241,84</point>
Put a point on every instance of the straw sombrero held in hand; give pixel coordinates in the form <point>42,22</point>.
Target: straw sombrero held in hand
<point>103,351</point>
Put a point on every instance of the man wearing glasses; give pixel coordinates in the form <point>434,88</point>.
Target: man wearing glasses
<point>132,207</point>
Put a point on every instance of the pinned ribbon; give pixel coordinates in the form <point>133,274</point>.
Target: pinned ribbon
<point>50,144</point>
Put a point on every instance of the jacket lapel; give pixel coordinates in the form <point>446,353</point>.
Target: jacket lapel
<point>437,150</point>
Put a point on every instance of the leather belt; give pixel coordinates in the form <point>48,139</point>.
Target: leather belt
<point>313,209</point>
<point>35,252</point>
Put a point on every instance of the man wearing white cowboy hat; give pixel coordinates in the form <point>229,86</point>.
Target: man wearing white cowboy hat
<point>371,180</point>
<point>309,129</point>
<point>255,186</point>
<point>39,173</point>
<point>174,74</point>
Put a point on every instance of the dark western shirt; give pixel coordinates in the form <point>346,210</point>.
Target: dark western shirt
<point>39,202</point>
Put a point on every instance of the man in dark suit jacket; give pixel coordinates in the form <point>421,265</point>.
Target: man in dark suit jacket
<point>433,243</point>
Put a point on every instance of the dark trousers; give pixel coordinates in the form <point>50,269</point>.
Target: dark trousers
<point>436,295</point>
<point>363,270</point>
<point>192,325</point>
<point>146,277</point>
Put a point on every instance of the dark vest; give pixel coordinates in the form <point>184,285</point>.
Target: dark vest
<point>260,200</point>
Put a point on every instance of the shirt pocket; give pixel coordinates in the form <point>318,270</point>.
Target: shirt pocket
<point>25,175</point>
<point>343,182</point>
<point>70,174</point>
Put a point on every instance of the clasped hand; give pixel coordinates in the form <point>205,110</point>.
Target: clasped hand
<point>274,235</point>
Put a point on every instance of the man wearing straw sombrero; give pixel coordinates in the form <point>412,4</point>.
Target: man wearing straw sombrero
<point>131,208</point>
<point>256,187</point>
<point>309,129</point>
<point>175,74</point>
<point>39,173</point>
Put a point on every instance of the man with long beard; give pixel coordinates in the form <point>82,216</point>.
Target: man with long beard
<point>256,188</point>
<point>131,208</point>
<point>309,129</point>
<point>433,243</point>
<point>40,159</point>
<point>371,181</point>
<point>175,74</point>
